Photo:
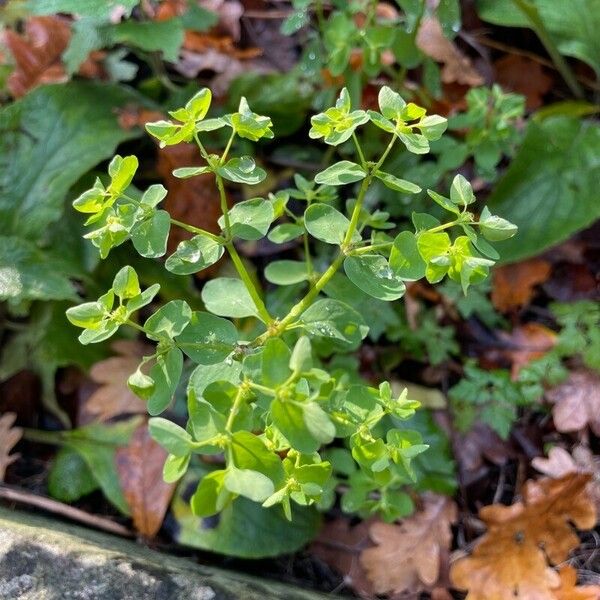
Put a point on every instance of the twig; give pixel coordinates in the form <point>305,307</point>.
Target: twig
<point>70,512</point>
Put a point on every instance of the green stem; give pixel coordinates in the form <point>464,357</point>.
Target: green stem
<point>239,399</point>
<point>227,148</point>
<point>197,230</point>
<point>361,156</point>
<point>442,227</point>
<point>537,24</point>
<point>43,437</point>
<point>224,206</point>
<point>245,277</point>
<point>373,248</point>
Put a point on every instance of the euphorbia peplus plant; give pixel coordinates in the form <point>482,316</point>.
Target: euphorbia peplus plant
<point>268,402</point>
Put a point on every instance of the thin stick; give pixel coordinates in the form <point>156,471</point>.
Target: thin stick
<point>58,508</point>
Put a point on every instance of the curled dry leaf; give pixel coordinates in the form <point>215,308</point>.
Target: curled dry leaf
<point>577,402</point>
<point>514,284</point>
<point>114,397</point>
<point>9,436</point>
<point>340,545</point>
<point>569,590</point>
<point>560,463</point>
<point>411,556</point>
<point>37,53</point>
<point>526,343</point>
<point>457,67</point>
<point>513,559</point>
<point>139,465</point>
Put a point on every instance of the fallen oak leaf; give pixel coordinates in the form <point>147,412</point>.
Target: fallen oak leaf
<point>560,463</point>
<point>9,436</point>
<point>513,559</point>
<point>576,402</point>
<point>113,397</point>
<point>37,53</point>
<point>514,284</point>
<point>457,67</point>
<point>569,590</point>
<point>410,556</point>
<point>526,343</point>
<point>140,467</point>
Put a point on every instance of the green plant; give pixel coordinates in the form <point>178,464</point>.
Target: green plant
<point>273,396</point>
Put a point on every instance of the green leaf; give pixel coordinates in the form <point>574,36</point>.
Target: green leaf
<point>405,259</point>
<point>166,374</point>
<point>373,275</point>
<point>228,297</point>
<point>433,126</point>
<point>151,36</point>
<point>26,273</point>
<point>84,8</point>
<point>187,172</point>
<point>70,478</point>
<point>391,104</point>
<point>301,358</point>
<point>248,124</point>
<point>326,223</point>
<point>194,255</point>
<point>433,247</point>
<point>150,237</point>
<point>550,188</point>
<point>35,177</point>
<point>208,339</point>
<point>175,467</point>
<point>244,528</point>
<point>574,30</point>
<point>170,436</point>
<point>250,219</point>
<point>286,272</point>
<point>495,228</point>
<point>242,170</point>
<point>341,173</point>
<point>399,185</point>
<point>333,319</point>
<point>168,321</point>
<point>444,202</point>
<point>126,284</point>
<point>461,191</point>
<point>96,444</point>
<point>275,361</point>
<point>210,496</point>
<point>286,232</point>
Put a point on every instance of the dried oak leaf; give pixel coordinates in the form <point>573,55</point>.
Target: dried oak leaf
<point>569,590</point>
<point>339,545</point>
<point>457,67</point>
<point>519,74</point>
<point>581,460</point>
<point>411,556</point>
<point>139,465</point>
<point>577,402</point>
<point>37,53</point>
<point>512,560</point>
<point>114,397</point>
<point>526,343</point>
<point>514,284</point>
<point>9,436</point>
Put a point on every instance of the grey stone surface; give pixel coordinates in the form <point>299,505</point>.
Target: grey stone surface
<point>45,559</point>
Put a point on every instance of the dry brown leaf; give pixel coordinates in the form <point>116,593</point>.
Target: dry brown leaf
<point>526,343</point>
<point>510,561</point>
<point>411,556</point>
<point>577,402</point>
<point>140,465</point>
<point>519,74</point>
<point>37,53</point>
<point>339,545</point>
<point>560,463</point>
<point>457,67</point>
<point>114,397</point>
<point>569,590</point>
<point>514,285</point>
<point>9,436</point>
<point>195,200</point>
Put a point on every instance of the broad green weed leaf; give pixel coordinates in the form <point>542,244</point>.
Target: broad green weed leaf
<point>373,275</point>
<point>194,255</point>
<point>250,219</point>
<point>207,339</point>
<point>286,272</point>
<point>326,223</point>
<point>228,297</point>
<point>341,173</point>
